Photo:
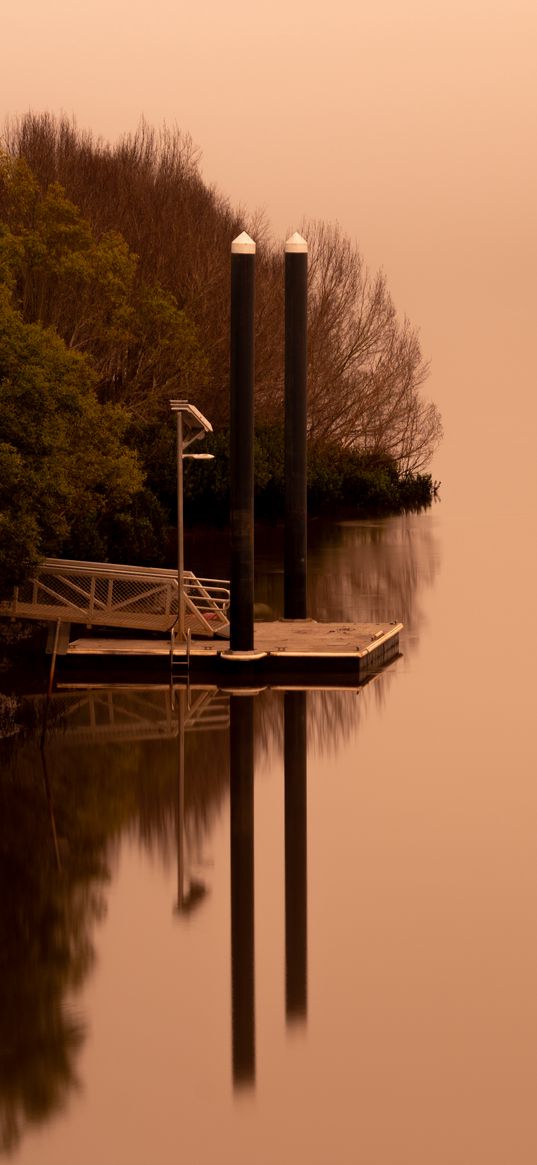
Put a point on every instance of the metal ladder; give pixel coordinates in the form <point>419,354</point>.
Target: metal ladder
<point>180,665</point>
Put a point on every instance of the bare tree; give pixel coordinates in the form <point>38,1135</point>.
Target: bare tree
<point>365,364</point>
<point>366,369</point>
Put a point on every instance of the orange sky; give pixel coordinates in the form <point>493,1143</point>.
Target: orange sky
<point>411,124</point>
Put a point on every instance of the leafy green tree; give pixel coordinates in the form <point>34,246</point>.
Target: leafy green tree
<point>90,355</point>
<point>143,348</point>
<point>64,468</point>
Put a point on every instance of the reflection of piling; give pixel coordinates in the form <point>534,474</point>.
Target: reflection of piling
<point>242,887</point>
<point>241,422</point>
<point>295,543</point>
<point>296,875</point>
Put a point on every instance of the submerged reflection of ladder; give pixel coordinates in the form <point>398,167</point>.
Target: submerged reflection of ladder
<point>180,670</point>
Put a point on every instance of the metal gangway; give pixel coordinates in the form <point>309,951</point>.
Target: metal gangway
<point>103,594</point>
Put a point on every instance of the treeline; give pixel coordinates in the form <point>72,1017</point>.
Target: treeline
<point>114,298</point>
<point>341,481</point>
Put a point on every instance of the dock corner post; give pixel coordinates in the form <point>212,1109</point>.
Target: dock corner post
<point>296,404</point>
<point>241,421</point>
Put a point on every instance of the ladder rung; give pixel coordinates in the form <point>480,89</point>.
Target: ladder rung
<point>180,667</point>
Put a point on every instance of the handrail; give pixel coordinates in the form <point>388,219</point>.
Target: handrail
<point>112,594</point>
<point>121,568</point>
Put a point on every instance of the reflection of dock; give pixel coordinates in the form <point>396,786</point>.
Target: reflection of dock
<point>98,715</point>
<point>283,648</point>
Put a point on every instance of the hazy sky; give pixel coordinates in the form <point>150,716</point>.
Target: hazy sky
<point>412,124</point>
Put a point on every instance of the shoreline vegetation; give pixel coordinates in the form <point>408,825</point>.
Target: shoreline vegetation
<point>114,299</point>
<point>341,482</point>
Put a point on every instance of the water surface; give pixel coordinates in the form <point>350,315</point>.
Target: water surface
<point>320,949</point>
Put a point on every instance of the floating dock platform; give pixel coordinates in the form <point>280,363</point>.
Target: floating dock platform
<point>284,650</point>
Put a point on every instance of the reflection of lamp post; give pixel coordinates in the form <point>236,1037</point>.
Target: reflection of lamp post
<point>191,426</point>
<point>189,898</point>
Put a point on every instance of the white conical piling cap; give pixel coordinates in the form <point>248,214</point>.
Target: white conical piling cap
<point>296,245</point>
<point>243,245</point>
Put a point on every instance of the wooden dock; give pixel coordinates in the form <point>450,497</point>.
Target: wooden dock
<point>143,604</point>
<point>301,650</point>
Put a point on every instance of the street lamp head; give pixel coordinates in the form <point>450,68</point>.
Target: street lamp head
<point>191,415</point>
<point>191,425</point>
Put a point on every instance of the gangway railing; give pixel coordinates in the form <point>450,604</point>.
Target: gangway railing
<point>112,595</point>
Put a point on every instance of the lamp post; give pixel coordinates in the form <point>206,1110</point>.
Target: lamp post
<point>191,426</point>
<point>180,625</point>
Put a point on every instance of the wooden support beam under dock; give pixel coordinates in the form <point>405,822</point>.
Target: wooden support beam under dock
<point>297,648</point>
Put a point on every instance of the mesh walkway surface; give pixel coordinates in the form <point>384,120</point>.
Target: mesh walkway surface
<point>110,595</point>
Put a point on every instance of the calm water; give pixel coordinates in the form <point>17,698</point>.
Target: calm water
<point>353,979</point>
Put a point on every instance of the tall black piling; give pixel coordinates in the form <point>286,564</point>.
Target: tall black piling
<point>295,539</point>
<point>296,856</point>
<point>241,756</point>
<point>241,420</point>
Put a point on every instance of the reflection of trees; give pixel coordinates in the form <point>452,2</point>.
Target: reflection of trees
<point>48,915</point>
<point>333,717</point>
<point>359,571</point>
<point>374,570</point>
<point>46,919</point>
